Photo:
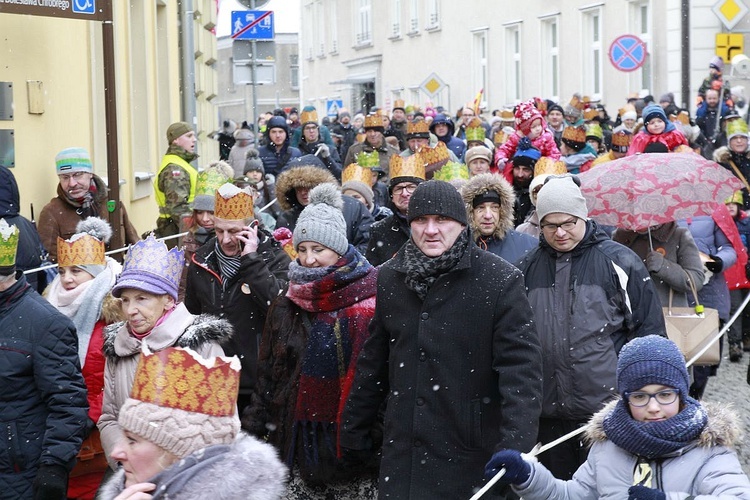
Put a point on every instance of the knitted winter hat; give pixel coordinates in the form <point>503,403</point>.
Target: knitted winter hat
<point>253,163</point>
<point>437,198</point>
<point>478,152</point>
<point>651,360</point>
<point>73,160</point>
<point>182,402</point>
<point>526,115</point>
<point>176,130</point>
<point>243,134</point>
<point>716,63</point>
<point>653,111</point>
<point>561,194</point>
<point>322,220</point>
<point>151,267</point>
<point>361,188</point>
<point>526,154</point>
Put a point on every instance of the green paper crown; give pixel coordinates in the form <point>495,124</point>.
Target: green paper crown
<point>209,181</point>
<point>451,171</point>
<point>475,134</point>
<point>736,127</point>
<point>8,244</point>
<point>368,160</point>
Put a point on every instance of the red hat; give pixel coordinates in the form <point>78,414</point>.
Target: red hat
<point>526,114</point>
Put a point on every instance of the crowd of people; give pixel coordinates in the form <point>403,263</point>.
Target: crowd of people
<point>390,305</point>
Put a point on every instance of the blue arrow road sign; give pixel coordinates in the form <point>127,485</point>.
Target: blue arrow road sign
<point>252,25</point>
<point>627,53</point>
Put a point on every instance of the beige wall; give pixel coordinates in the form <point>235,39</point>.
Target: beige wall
<point>66,55</point>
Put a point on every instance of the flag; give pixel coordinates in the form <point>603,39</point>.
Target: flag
<point>478,101</point>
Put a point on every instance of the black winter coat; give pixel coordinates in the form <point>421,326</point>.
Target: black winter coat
<point>264,273</point>
<point>387,236</point>
<point>461,372</point>
<point>43,405</point>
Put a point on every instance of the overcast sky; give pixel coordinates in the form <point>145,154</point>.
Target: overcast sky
<point>286,15</point>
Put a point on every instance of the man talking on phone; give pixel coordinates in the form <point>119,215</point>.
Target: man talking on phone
<point>236,275</point>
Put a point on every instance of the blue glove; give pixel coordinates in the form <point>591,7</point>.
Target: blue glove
<point>645,493</point>
<point>517,470</point>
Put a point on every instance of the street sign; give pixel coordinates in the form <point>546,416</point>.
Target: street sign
<point>333,106</point>
<point>91,10</point>
<point>730,12</point>
<point>252,25</point>
<point>627,53</point>
<point>729,45</point>
<point>432,85</point>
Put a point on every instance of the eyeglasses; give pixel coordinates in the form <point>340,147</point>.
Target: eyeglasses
<point>641,399</point>
<point>77,176</point>
<point>409,189</point>
<point>566,226</point>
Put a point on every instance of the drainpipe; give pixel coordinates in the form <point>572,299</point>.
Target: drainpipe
<point>187,49</point>
<point>685,28</point>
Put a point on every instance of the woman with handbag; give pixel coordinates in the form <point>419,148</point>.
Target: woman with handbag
<point>308,354</point>
<point>81,291</point>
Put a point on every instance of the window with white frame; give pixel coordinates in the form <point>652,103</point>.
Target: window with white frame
<point>320,31</point>
<point>395,19</point>
<point>513,63</point>
<point>307,34</point>
<point>331,26</point>
<point>413,16</point>
<point>593,53</point>
<point>479,65</point>
<point>642,27</point>
<point>551,58</point>
<point>364,22</point>
<point>433,14</point>
<point>415,100</point>
<point>294,71</point>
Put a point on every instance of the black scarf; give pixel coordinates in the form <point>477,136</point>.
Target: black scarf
<point>422,271</point>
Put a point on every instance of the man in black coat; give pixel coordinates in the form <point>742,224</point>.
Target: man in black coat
<point>453,349</point>
<point>236,275</point>
<point>43,405</point>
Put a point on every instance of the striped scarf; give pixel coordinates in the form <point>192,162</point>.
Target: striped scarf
<point>228,266</point>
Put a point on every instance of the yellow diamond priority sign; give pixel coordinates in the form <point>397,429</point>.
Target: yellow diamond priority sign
<point>730,12</point>
<point>432,85</point>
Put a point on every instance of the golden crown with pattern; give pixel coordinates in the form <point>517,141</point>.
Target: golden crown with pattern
<point>233,203</point>
<point>621,138</point>
<point>309,116</point>
<point>546,165</point>
<point>354,172</point>
<point>8,244</point>
<point>411,166</point>
<point>418,128</point>
<point>373,121</point>
<point>575,134</point>
<point>500,137</point>
<point>179,378</point>
<point>433,158</point>
<point>83,251</point>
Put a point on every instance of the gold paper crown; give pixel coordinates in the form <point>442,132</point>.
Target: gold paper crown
<point>373,121</point>
<point>8,244</point>
<point>179,378</point>
<point>308,117</point>
<point>579,102</point>
<point>368,160</point>
<point>621,138</point>
<point>575,134</point>
<point>499,138</point>
<point>406,167</point>
<point>627,108</point>
<point>590,114</point>
<point>475,130</point>
<point>546,165</point>
<point>433,158</point>
<point>399,104</point>
<point>84,251</point>
<point>507,115</point>
<point>355,172</point>
<point>233,204</point>
<point>420,127</point>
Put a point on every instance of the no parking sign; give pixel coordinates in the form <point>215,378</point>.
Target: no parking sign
<point>627,53</point>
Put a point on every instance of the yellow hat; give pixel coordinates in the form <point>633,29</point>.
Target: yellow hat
<point>546,165</point>
<point>735,198</point>
<point>233,203</point>
<point>374,121</point>
<point>355,172</point>
<point>406,167</point>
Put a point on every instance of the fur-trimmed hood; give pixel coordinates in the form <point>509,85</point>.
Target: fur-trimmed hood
<point>481,184</point>
<point>206,328</point>
<point>724,154</point>
<point>722,429</point>
<point>249,470</point>
<point>299,177</point>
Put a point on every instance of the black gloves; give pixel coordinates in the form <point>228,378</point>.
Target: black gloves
<point>644,493</point>
<point>517,470</point>
<point>715,265</point>
<point>51,483</point>
<point>355,459</point>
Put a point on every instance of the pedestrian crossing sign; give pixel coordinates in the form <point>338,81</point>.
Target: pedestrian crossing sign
<point>333,106</point>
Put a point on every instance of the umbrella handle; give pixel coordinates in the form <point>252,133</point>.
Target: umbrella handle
<point>650,241</point>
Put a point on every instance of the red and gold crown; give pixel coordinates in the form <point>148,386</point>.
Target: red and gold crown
<point>433,158</point>
<point>417,129</point>
<point>546,165</point>
<point>372,121</point>
<point>180,379</point>
<point>356,173</point>
<point>83,251</point>
<point>575,134</point>
<point>233,203</point>
<point>410,166</point>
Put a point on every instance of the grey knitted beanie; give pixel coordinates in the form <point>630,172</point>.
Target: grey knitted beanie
<point>561,194</point>
<point>322,220</point>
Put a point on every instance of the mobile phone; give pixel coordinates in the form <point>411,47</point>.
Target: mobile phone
<point>253,224</point>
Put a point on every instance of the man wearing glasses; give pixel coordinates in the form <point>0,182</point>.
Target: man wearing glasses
<point>80,194</point>
<point>590,296</point>
<point>387,236</point>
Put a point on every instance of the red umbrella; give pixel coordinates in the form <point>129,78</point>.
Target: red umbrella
<point>639,191</point>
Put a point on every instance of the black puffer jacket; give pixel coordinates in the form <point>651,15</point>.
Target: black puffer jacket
<point>262,274</point>
<point>29,251</point>
<point>43,405</point>
<point>387,236</point>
